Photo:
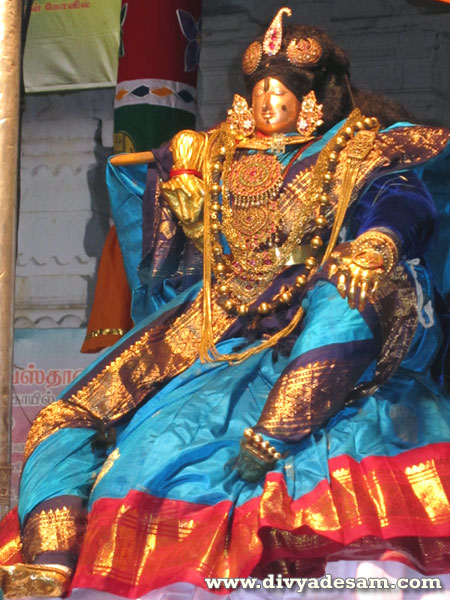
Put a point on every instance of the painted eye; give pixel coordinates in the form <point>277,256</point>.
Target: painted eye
<point>257,92</point>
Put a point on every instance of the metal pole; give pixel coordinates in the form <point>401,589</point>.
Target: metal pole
<point>10,32</point>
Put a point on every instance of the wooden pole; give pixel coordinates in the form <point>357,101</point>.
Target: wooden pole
<point>10,31</point>
<point>132,158</point>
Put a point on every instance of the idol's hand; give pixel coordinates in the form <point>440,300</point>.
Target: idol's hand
<point>360,266</point>
<point>184,194</point>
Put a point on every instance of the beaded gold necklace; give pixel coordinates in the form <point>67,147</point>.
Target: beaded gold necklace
<point>247,271</point>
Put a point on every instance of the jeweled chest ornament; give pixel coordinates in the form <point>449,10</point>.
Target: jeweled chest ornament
<point>262,237</point>
<point>318,202</point>
<point>255,179</point>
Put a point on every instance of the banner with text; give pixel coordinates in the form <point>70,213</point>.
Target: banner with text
<point>45,362</point>
<point>72,45</point>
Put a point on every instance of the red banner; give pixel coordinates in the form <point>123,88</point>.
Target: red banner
<point>157,77</point>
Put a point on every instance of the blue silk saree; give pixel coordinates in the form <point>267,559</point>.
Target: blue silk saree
<point>134,466</point>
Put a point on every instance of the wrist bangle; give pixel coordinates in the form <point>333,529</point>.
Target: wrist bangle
<point>381,243</point>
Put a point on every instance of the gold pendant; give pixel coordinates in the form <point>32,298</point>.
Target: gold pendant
<point>254,179</point>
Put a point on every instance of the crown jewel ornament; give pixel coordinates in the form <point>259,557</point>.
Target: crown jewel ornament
<point>252,58</point>
<point>274,34</point>
<point>305,52</point>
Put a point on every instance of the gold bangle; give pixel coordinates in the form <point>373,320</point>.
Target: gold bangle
<point>380,242</point>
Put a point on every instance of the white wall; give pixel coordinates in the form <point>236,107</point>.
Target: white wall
<point>64,206</point>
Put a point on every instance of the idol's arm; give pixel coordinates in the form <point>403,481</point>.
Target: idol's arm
<point>184,192</point>
<point>396,219</point>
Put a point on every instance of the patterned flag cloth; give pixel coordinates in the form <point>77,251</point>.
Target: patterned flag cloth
<point>155,97</point>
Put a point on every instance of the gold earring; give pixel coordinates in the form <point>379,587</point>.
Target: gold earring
<point>240,118</point>
<point>310,116</point>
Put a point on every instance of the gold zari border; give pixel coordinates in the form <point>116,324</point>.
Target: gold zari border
<point>162,352</point>
<point>59,530</point>
<point>54,417</point>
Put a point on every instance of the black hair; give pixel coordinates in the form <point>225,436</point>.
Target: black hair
<point>329,78</point>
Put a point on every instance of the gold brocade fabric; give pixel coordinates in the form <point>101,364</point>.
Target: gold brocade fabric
<point>394,150</point>
<point>10,549</point>
<point>53,417</point>
<point>59,530</point>
<point>302,399</point>
<point>416,494</point>
<point>148,539</point>
<point>10,540</point>
<point>412,145</point>
<point>160,353</point>
<point>396,306</point>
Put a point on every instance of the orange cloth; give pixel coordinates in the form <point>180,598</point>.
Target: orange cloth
<point>110,315</point>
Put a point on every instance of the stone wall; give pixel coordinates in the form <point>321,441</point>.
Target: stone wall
<point>64,212</point>
<point>397,47</point>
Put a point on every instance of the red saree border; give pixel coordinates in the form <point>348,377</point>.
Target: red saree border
<point>10,541</point>
<point>402,495</point>
<point>382,508</point>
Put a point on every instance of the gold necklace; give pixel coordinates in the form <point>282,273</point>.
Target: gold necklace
<point>326,204</point>
<point>255,262</point>
<point>250,220</point>
<point>254,179</point>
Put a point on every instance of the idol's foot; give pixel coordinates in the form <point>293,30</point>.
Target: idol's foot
<point>23,581</point>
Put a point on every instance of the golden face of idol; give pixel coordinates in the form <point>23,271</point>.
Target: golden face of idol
<point>275,108</point>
